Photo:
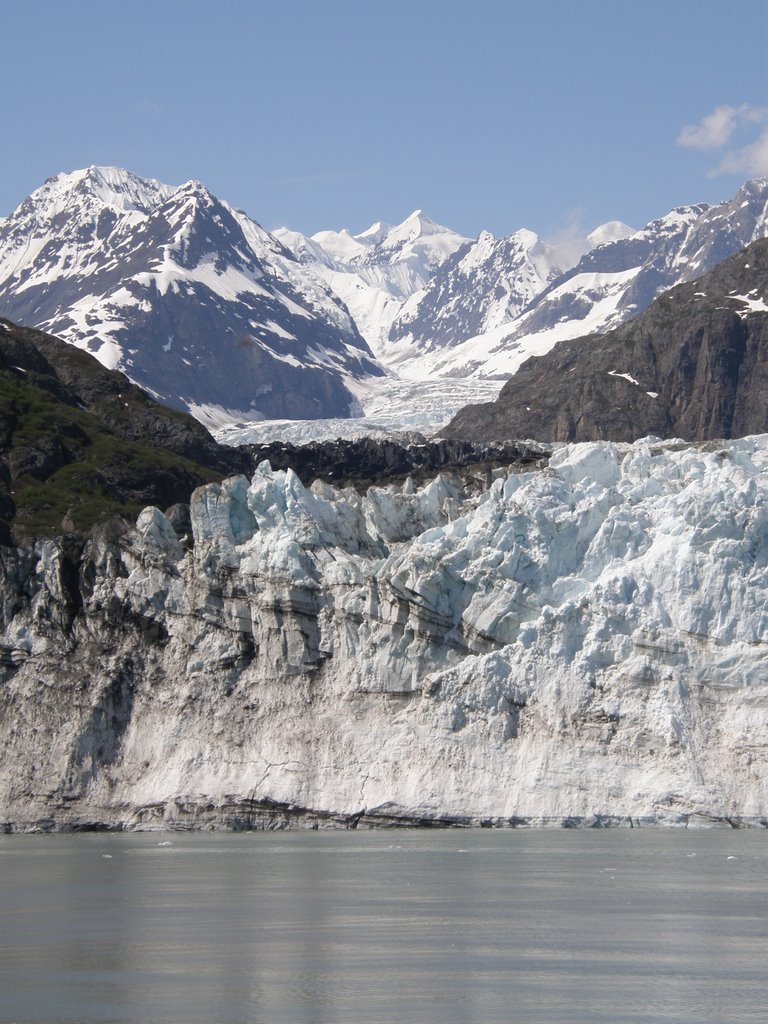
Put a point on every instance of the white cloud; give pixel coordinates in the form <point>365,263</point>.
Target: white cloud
<point>569,241</point>
<point>751,160</point>
<point>716,129</point>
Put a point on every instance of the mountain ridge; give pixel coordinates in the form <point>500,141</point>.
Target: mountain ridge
<point>378,270</point>
<point>691,365</point>
<point>264,338</point>
<point>607,286</point>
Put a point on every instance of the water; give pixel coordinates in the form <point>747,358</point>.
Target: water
<point>381,928</point>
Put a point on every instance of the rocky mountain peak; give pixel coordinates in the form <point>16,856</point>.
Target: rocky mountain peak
<point>374,234</point>
<point>611,231</point>
<point>192,299</point>
<point>416,224</point>
<point>112,187</point>
<point>195,191</point>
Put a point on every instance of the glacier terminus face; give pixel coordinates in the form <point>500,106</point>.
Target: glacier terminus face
<point>582,644</point>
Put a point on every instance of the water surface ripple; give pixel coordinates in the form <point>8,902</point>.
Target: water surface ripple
<point>520,927</point>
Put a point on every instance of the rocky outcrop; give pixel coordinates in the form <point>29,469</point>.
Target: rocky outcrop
<point>693,365</point>
<point>370,461</point>
<point>580,644</point>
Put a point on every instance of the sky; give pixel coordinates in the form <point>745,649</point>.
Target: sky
<point>554,115</point>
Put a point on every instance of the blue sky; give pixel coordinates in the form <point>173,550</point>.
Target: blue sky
<point>487,114</point>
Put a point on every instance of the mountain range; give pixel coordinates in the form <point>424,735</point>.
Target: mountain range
<point>378,270</point>
<point>608,285</point>
<point>210,313</point>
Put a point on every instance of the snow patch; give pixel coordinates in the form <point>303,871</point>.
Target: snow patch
<point>625,376</point>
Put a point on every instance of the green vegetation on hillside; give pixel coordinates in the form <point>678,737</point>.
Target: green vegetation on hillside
<point>80,444</point>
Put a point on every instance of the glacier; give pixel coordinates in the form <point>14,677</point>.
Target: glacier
<point>583,644</point>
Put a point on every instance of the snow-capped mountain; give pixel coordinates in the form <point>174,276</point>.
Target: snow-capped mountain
<point>418,288</point>
<point>612,283</point>
<point>454,307</point>
<point>201,306</point>
<point>375,272</point>
<point>192,299</point>
<point>484,286</point>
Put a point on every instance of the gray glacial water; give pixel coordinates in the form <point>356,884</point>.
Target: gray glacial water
<point>520,927</point>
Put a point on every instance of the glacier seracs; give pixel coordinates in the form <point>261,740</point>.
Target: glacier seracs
<point>582,644</point>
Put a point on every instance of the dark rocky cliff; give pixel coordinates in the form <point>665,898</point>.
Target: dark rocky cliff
<point>371,461</point>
